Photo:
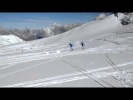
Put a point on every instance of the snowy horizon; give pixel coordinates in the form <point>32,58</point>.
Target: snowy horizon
<point>47,24</point>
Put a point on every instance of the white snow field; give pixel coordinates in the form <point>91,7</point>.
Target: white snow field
<point>9,39</point>
<point>106,61</point>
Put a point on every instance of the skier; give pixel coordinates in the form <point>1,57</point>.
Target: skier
<point>71,46</point>
<point>82,44</point>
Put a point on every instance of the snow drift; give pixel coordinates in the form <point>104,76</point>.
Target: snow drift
<point>9,39</point>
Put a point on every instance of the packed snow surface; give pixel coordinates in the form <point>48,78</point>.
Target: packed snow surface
<point>106,61</point>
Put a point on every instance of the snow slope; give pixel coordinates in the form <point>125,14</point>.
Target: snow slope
<point>9,39</point>
<point>87,31</point>
<point>106,61</point>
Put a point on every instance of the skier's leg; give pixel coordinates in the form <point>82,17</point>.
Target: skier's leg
<point>72,49</point>
<point>83,47</point>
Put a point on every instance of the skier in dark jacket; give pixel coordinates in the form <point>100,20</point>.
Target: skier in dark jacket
<point>82,44</point>
<point>71,46</point>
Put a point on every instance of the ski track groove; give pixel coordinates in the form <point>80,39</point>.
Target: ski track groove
<point>13,60</point>
<point>24,84</point>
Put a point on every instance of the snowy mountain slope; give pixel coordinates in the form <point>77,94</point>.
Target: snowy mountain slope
<point>94,28</point>
<point>85,31</point>
<point>106,61</point>
<point>9,39</point>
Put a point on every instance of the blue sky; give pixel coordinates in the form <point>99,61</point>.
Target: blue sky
<point>43,20</point>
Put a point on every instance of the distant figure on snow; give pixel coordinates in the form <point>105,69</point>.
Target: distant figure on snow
<point>82,44</point>
<point>71,46</point>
